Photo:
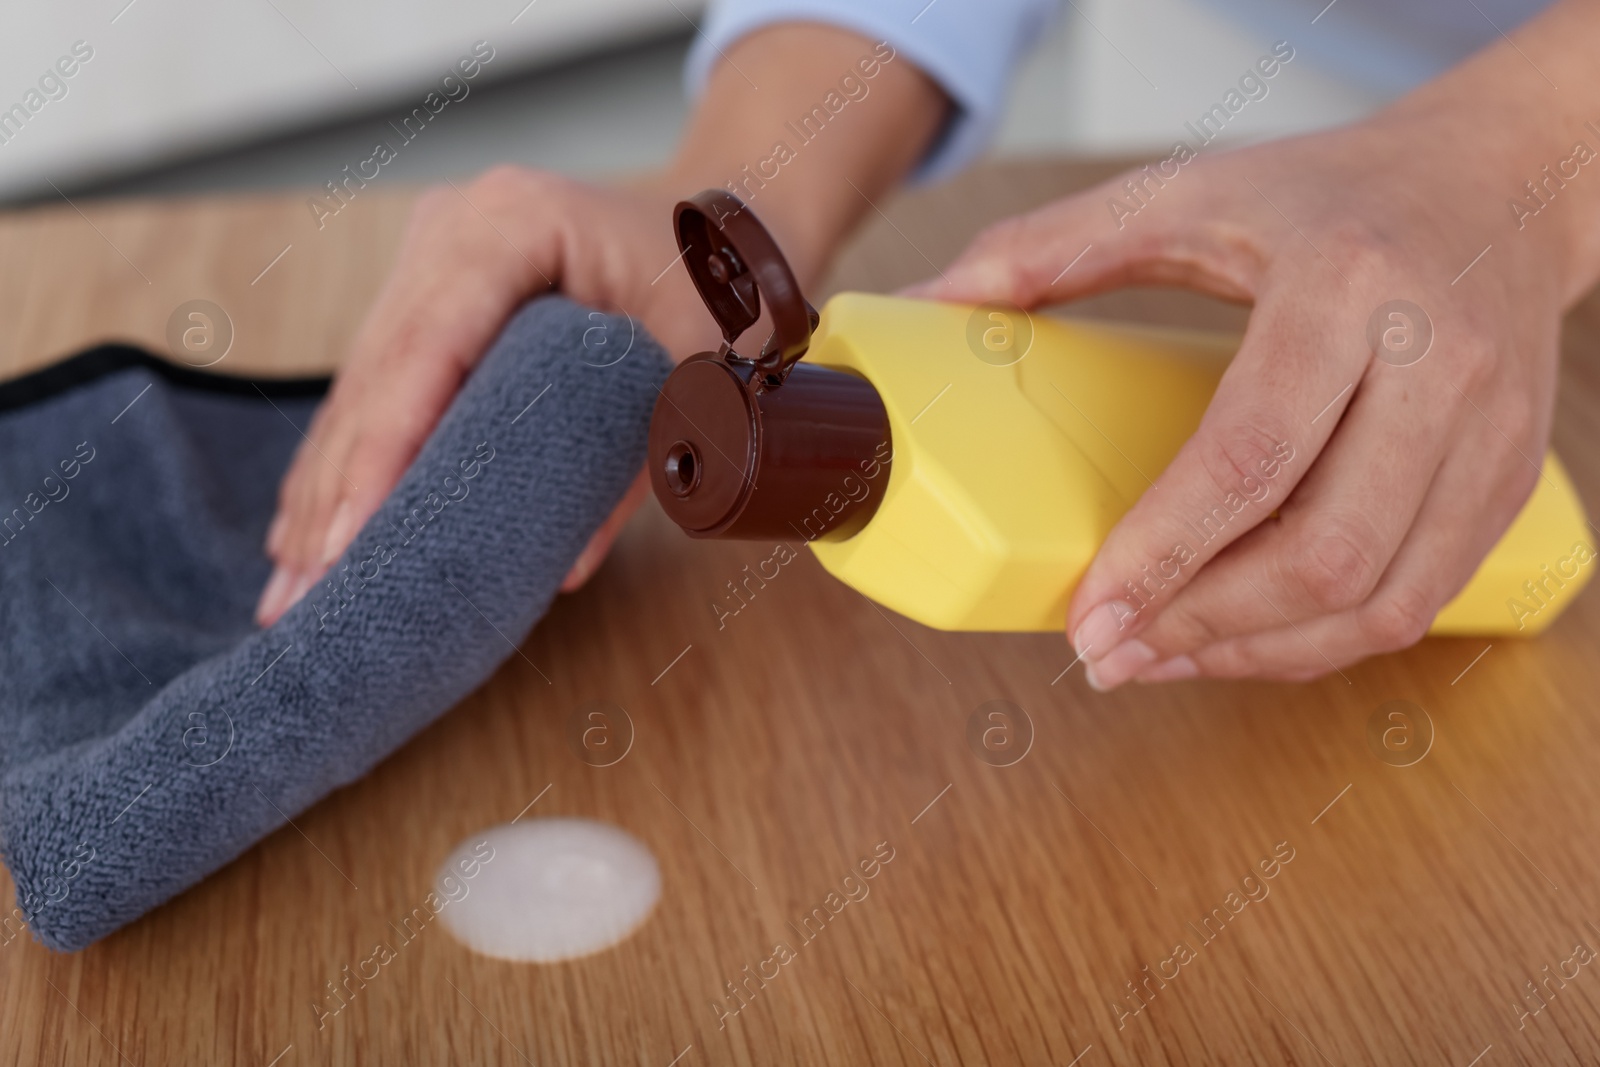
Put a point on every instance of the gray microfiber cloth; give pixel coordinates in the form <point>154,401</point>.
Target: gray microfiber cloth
<point>150,732</point>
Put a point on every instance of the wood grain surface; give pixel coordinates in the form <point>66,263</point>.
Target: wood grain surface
<point>1022,904</point>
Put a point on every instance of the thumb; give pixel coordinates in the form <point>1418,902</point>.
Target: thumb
<point>1058,251</point>
<point>1085,244</point>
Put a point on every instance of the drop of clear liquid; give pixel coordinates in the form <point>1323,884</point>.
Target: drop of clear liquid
<point>555,889</point>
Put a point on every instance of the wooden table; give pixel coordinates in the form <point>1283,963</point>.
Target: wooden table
<point>772,755</point>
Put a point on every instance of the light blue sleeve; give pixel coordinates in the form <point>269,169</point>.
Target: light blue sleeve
<point>969,47</point>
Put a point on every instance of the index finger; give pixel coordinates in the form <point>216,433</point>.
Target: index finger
<point>1274,410</point>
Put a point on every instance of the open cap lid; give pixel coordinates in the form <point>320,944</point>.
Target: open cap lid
<point>759,447</point>
<point>733,260</point>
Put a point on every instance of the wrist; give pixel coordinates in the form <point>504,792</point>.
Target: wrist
<point>838,121</point>
<point>1533,150</point>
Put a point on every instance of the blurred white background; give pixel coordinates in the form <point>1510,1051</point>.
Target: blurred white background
<point>187,96</point>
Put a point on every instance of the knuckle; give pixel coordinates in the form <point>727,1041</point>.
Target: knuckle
<point>1398,619</point>
<point>1019,253</point>
<point>1229,659</point>
<point>1235,453</point>
<point>502,186</point>
<point>1001,235</point>
<point>1001,246</point>
<point>1521,484</point>
<point>506,178</point>
<point>1182,629</point>
<point>1365,254</point>
<point>1477,362</point>
<point>1517,417</point>
<point>509,184</point>
<point>1334,564</point>
<point>289,496</point>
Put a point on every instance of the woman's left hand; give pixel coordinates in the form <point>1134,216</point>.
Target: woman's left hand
<point>1395,467</point>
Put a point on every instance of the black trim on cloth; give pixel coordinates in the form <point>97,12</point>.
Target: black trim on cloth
<point>101,360</point>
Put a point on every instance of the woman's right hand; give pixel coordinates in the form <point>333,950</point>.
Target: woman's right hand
<point>471,256</point>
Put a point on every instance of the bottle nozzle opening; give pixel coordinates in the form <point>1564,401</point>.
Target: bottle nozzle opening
<point>682,468</point>
<point>783,436</point>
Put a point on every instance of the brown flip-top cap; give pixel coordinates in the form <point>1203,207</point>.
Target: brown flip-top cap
<point>765,446</point>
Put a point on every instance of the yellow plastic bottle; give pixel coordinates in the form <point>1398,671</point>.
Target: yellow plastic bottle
<point>1007,478</point>
<point>963,467</point>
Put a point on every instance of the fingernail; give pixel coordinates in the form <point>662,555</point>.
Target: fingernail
<point>1102,629</point>
<point>275,533</point>
<point>1120,664</point>
<point>340,531</point>
<point>1176,669</point>
<point>302,584</point>
<point>272,595</point>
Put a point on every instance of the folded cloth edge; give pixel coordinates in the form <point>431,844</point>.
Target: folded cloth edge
<point>435,592</point>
